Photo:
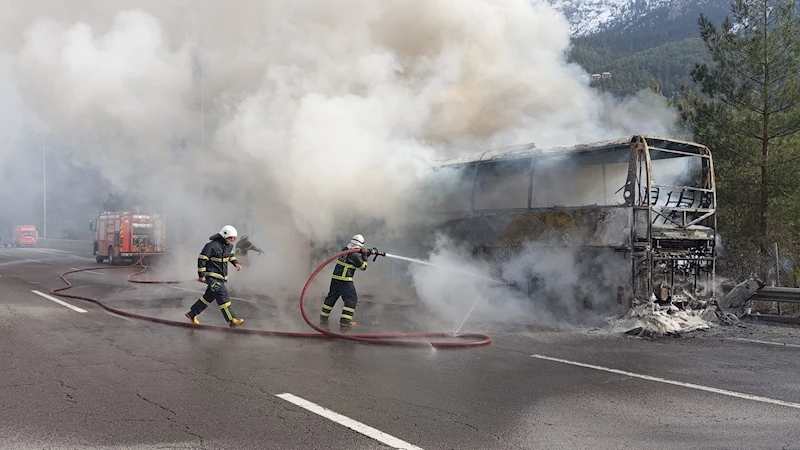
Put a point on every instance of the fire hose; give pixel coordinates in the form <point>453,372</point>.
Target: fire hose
<point>416,339</point>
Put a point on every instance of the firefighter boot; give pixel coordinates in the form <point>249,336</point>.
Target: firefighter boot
<point>349,324</point>
<point>235,322</point>
<point>323,320</point>
<point>192,318</point>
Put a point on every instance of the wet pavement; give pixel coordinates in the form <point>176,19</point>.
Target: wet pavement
<point>91,379</point>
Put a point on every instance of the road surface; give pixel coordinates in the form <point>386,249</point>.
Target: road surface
<point>75,376</point>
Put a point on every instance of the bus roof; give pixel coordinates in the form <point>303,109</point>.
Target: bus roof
<point>527,150</point>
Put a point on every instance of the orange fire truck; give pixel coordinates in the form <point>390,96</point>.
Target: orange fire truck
<point>126,235</point>
<point>25,236</point>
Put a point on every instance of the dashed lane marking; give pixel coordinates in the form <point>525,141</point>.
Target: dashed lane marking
<point>675,383</point>
<point>86,271</point>
<point>366,430</point>
<point>19,261</point>
<point>56,253</point>
<point>62,303</point>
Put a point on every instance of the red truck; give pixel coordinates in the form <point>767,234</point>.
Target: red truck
<point>127,235</point>
<point>25,236</point>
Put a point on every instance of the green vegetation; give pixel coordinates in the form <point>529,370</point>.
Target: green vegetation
<point>670,64</point>
<point>748,112</point>
<point>736,87</point>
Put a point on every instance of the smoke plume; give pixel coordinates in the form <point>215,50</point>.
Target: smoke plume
<point>300,121</point>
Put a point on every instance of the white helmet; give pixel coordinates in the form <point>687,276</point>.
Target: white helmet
<point>227,231</point>
<point>356,241</point>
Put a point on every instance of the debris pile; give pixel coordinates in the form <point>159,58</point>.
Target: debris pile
<point>672,318</point>
<point>653,319</point>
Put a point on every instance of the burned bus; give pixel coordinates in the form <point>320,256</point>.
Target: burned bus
<point>637,214</point>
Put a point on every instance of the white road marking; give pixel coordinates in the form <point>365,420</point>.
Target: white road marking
<point>5,254</point>
<point>676,383</point>
<point>201,292</point>
<point>368,431</point>
<point>62,303</point>
<point>756,341</point>
<point>86,271</point>
<point>19,261</point>
<point>56,253</point>
<point>118,316</point>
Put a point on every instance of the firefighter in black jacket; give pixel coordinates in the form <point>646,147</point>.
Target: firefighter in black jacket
<point>212,269</point>
<point>342,283</point>
<point>244,245</point>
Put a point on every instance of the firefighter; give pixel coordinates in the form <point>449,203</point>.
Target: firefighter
<point>212,269</point>
<point>244,245</point>
<point>342,283</point>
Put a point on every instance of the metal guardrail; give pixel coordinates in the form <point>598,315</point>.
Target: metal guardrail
<point>779,295</point>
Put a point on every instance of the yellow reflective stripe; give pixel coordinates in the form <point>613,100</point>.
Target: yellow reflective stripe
<point>346,316</point>
<point>221,260</point>
<point>201,269</point>
<point>216,275</point>
<point>326,310</point>
<point>352,310</point>
<point>203,257</point>
<point>224,308</point>
<point>203,299</point>
<point>363,266</point>
<point>346,266</point>
<point>343,276</point>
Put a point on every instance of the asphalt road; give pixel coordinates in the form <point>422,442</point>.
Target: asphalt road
<point>91,379</point>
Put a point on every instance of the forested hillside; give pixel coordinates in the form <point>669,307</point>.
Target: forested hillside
<point>655,41</point>
<point>669,64</point>
<point>742,100</point>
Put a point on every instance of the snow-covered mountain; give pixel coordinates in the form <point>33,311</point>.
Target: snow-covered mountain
<point>587,17</point>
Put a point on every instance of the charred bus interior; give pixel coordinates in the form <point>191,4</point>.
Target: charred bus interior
<point>616,221</point>
<point>584,231</point>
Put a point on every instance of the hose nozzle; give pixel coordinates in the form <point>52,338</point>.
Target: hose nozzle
<point>374,251</point>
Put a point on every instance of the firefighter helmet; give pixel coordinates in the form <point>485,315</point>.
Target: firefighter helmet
<point>227,231</point>
<point>245,237</point>
<point>356,241</point>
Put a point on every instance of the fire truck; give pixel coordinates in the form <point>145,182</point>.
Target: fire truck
<point>125,236</point>
<point>24,236</point>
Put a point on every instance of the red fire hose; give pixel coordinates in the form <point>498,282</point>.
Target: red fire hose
<point>401,339</point>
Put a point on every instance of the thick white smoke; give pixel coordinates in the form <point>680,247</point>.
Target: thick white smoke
<point>307,116</point>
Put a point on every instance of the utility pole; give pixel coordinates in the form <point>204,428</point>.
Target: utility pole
<point>44,181</point>
<point>202,116</point>
<point>777,268</point>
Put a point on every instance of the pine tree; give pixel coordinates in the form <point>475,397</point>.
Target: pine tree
<point>749,109</point>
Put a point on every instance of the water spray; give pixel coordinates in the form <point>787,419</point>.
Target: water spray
<point>451,269</point>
